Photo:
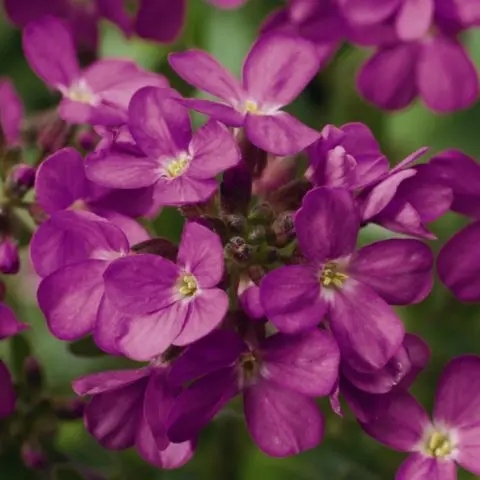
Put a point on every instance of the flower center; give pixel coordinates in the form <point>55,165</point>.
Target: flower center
<point>439,445</point>
<point>331,277</point>
<point>81,92</point>
<point>251,107</point>
<point>177,167</point>
<point>187,285</point>
<point>249,366</point>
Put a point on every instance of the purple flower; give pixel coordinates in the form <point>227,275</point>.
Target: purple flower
<point>278,378</point>
<point>353,289</point>
<point>411,59</point>
<point>180,165</point>
<point>100,94</point>
<point>61,184</point>
<point>407,198</point>
<point>11,112</point>
<point>169,303</point>
<point>71,251</point>
<point>9,260</point>
<point>276,70</point>
<point>9,326</point>
<point>453,435</point>
<point>130,408</point>
<point>347,157</point>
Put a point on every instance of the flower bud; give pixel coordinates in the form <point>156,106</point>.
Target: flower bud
<point>88,139</point>
<point>33,456</point>
<point>239,250</point>
<point>20,179</point>
<point>33,373</point>
<point>9,259</point>
<point>284,228</point>
<point>69,408</point>
<point>277,172</point>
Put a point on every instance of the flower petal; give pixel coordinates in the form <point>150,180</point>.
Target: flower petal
<point>159,124</point>
<point>307,363</point>
<point>291,298</point>
<point>387,79</point>
<point>201,253</point>
<point>216,111</point>
<point>60,180</point>
<point>400,425</point>
<point>367,12</point>
<point>419,467</point>
<point>141,283</point>
<point>367,330</point>
<point>184,190</point>
<point>458,264</point>
<point>414,19</point>
<point>70,297</point>
<point>11,114</point>
<point>48,47</point>
<point>399,270</point>
<point>213,150</point>
<point>447,78</point>
<point>280,133</point>
<point>9,325</point>
<point>278,68</point>
<point>281,422</point>
<point>204,72</point>
<point>207,310</point>
<point>327,225</point>
<point>8,397</point>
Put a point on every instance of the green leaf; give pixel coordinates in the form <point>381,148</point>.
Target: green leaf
<point>85,347</point>
<point>66,473</point>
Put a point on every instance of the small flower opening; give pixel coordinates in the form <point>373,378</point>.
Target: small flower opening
<point>331,277</point>
<point>177,167</point>
<point>439,445</point>
<point>249,365</point>
<point>251,107</point>
<point>81,92</point>
<point>187,285</point>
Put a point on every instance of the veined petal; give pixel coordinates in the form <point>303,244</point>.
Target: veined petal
<point>367,329</point>
<point>184,190</point>
<point>282,422</point>
<point>48,47</point>
<point>414,19</point>
<point>420,467</point>
<point>278,68</point>
<point>204,72</point>
<point>216,111</point>
<point>108,327</point>
<point>367,12</point>
<point>159,124</point>
<point>70,297</point>
<point>201,253</point>
<point>291,298</point>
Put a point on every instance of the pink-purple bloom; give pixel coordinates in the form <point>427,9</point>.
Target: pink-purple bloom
<point>169,303</point>
<point>279,378</point>
<point>11,112</point>
<point>99,94</point>
<point>275,71</point>
<point>179,164</point>
<point>352,289</point>
<point>437,445</point>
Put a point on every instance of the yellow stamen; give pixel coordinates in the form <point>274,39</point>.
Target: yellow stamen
<point>439,445</point>
<point>251,106</point>
<point>176,167</point>
<point>188,285</point>
<point>331,277</point>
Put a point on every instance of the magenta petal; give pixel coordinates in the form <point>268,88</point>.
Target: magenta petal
<point>200,402</point>
<point>400,424</point>
<point>278,68</point>
<point>11,113</point>
<point>458,264</point>
<point>291,298</point>
<point>279,133</point>
<point>102,382</point>
<point>60,180</point>
<point>399,270</point>
<point>327,225</point>
<point>9,325</point>
<point>113,417</point>
<point>367,329</point>
<point>213,150</point>
<point>388,78</point>
<point>160,20</point>
<point>414,19</point>
<point>108,327</point>
<point>217,111</point>
<point>184,190</point>
<point>419,355</point>
<point>159,124</point>
<point>206,311</point>
<point>70,297</point>
<point>282,422</point>
<point>307,363</point>
<point>141,283</point>
<point>115,12</point>
<point>148,335</point>
<point>367,12</point>
<point>218,350</point>
<point>201,253</point>
<point>22,12</point>
<point>420,467</point>
<point>121,169</point>
<point>7,393</point>
<point>204,72</point>
<point>48,47</point>
<point>447,78</point>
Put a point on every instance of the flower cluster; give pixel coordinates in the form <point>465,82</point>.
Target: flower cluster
<point>267,294</point>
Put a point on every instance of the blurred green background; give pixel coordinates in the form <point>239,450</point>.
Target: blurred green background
<point>225,451</point>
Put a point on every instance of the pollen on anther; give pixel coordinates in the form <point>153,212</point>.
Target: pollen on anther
<point>331,277</point>
<point>188,285</point>
<point>176,167</point>
<point>439,445</point>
